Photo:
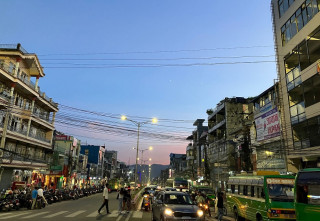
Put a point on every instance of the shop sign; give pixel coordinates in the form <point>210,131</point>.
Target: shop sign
<point>267,123</point>
<point>56,168</point>
<point>62,137</point>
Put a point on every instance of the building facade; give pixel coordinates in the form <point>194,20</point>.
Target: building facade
<point>223,123</point>
<point>296,27</point>
<point>27,118</point>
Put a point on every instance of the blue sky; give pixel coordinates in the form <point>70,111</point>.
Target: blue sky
<point>160,30</point>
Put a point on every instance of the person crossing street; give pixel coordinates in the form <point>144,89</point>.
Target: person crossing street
<point>105,199</point>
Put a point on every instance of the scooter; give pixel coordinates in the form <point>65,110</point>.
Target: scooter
<point>146,202</point>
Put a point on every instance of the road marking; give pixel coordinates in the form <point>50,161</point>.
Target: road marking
<point>94,214</point>
<point>137,214</point>
<point>55,214</point>
<point>127,219</point>
<point>33,215</point>
<point>8,217</point>
<point>76,213</point>
<point>6,214</point>
<point>114,213</point>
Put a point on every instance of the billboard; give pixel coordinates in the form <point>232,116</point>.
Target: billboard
<point>267,123</point>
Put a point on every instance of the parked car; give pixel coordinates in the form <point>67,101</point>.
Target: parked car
<point>174,205</point>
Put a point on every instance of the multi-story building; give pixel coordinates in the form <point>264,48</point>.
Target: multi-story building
<point>296,26</point>
<point>178,163</point>
<point>223,123</point>
<point>28,116</point>
<point>68,150</point>
<point>266,143</point>
<point>95,166</point>
<point>110,163</point>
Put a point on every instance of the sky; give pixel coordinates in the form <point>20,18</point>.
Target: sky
<point>167,59</point>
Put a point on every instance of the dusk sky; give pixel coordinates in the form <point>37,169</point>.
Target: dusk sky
<point>170,59</point>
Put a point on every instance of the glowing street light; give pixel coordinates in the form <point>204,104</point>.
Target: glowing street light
<point>138,124</point>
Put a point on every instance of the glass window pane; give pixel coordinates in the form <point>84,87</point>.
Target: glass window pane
<point>293,26</point>
<point>281,9</point>
<point>297,81</point>
<point>296,72</point>
<point>293,111</point>
<point>304,16</point>
<point>315,7</point>
<point>300,108</point>
<point>285,5</point>
<point>304,59</point>
<point>290,77</point>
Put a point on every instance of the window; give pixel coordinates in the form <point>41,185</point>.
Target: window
<point>308,188</point>
<point>240,189</point>
<point>233,189</point>
<point>252,191</point>
<point>299,19</point>
<point>245,190</point>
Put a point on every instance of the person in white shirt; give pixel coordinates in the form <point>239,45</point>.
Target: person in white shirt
<point>40,193</point>
<point>105,199</point>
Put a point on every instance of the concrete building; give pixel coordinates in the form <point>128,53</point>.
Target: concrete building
<point>178,163</point>
<point>223,123</point>
<point>28,116</point>
<point>267,146</point>
<point>67,148</point>
<point>110,163</point>
<point>296,26</point>
<point>95,162</point>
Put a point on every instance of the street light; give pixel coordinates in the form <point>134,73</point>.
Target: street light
<point>138,124</point>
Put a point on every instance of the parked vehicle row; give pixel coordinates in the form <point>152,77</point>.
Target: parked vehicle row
<point>22,199</point>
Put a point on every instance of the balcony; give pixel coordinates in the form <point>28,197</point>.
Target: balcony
<point>216,110</point>
<point>39,137</point>
<point>42,115</point>
<point>217,126</point>
<point>189,148</point>
<point>190,158</point>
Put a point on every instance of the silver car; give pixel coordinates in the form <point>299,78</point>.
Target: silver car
<point>174,205</point>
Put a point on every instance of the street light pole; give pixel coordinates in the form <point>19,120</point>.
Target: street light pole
<point>137,155</point>
<point>154,120</point>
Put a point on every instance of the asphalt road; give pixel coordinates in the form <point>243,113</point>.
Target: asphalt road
<point>82,209</point>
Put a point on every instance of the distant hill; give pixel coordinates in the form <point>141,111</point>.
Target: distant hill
<point>155,169</point>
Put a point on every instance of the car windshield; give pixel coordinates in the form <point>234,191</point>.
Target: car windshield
<point>177,199</point>
<point>281,192</point>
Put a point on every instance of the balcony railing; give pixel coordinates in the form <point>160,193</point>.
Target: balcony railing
<point>27,82</point>
<point>42,115</point>
<point>17,130</point>
<point>39,137</point>
<point>13,47</point>
<point>7,68</point>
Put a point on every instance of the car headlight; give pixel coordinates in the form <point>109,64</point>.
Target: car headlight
<point>168,212</point>
<point>200,213</point>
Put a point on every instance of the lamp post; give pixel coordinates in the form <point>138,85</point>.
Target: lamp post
<point>138,124</point>
<point>141,160</point>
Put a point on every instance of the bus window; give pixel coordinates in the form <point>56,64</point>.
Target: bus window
<point>262,193</point>
<point>248,190</point>
<point>245,190</point>
<point>233,188</point>
<point>237,190</point>
<point>281,192</point>
<point>308,188</point>
<point>252,191</point>
<point>240,190</point>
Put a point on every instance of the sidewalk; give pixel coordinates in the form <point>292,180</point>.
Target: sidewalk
<point>213,215</point>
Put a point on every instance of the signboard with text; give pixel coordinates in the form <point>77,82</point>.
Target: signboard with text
<point>267,123</point>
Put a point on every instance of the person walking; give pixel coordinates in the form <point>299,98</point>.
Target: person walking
<point>128,198</point>
<point>120,198</point>
<point>105,199</point>
<point>40,193</point>
<point>220,206</point>
<point>34,195</point>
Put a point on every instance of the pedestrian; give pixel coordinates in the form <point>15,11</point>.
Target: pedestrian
<point>120,198</point>
<point>105,199</point>
<point>128,197</point>
<point>40,193</point>
<point>220,206</point>
<point>34,194</point>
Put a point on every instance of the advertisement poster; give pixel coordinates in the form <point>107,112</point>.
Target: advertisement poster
<point>267,123</point>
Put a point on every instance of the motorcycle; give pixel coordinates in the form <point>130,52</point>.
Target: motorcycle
<point>204,207</point>
<point>40,203</point>
<point>146,202</point>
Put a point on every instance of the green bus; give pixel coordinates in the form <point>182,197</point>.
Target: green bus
<point>206,190</point>
<point>261,197</point>
<point>307,194</point>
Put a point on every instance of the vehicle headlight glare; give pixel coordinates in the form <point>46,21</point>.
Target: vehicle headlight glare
<point>200,213</point>
<point>168,212</point>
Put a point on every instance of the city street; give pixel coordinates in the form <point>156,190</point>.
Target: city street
<point>81,209</point>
